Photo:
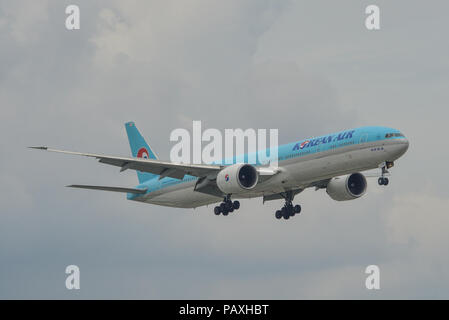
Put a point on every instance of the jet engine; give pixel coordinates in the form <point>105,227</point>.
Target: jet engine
<point>237,178</point>
<point>347,187</point>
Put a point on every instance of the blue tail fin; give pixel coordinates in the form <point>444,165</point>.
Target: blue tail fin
<point>139,149</point>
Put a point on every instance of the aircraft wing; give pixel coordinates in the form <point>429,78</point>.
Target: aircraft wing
<point>105,188</point>
<point>162,168</point>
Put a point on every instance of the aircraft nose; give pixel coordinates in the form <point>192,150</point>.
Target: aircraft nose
<point>404,145</point>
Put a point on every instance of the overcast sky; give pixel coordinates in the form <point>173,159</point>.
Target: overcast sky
<point>304,67</point>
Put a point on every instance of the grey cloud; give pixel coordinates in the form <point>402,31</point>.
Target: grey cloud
<point>293,66</point>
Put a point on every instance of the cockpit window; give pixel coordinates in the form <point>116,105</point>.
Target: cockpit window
<point>391,135</point>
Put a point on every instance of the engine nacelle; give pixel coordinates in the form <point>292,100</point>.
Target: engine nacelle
<point>347,187</point>
<point>237,178</point>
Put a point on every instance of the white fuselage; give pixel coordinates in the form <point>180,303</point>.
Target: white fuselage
<point>295,173</point>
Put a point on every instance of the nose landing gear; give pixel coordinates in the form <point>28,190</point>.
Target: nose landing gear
<point>227,206</point>
<point>383,181</point>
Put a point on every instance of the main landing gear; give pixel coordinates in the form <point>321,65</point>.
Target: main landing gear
<point>288,210</point>
<point>383,181</point>
<point>226,206</point>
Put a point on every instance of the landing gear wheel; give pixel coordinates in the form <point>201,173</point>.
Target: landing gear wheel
<point>282,211</point>
<point>226,206</point>
<point>291,211</point>
<point>278,214</point>
<point>286,213</point>
<point>288,210</point>
<point>382,180</point>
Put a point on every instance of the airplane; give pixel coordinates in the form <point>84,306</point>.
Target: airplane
<point>333,162</point>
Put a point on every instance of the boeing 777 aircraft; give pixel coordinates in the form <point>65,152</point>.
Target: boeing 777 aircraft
<point>332,162</point>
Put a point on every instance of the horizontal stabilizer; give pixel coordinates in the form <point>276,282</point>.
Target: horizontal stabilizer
<point>115,189</point>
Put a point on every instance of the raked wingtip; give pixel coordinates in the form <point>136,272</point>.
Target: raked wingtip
<point>39,148</point>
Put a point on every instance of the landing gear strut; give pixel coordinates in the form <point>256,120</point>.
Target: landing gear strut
<point>383,181</point>
<point>288,210</point>
<point>227,206</point>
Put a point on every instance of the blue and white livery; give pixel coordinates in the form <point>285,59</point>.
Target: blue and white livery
<point>333,162</point>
